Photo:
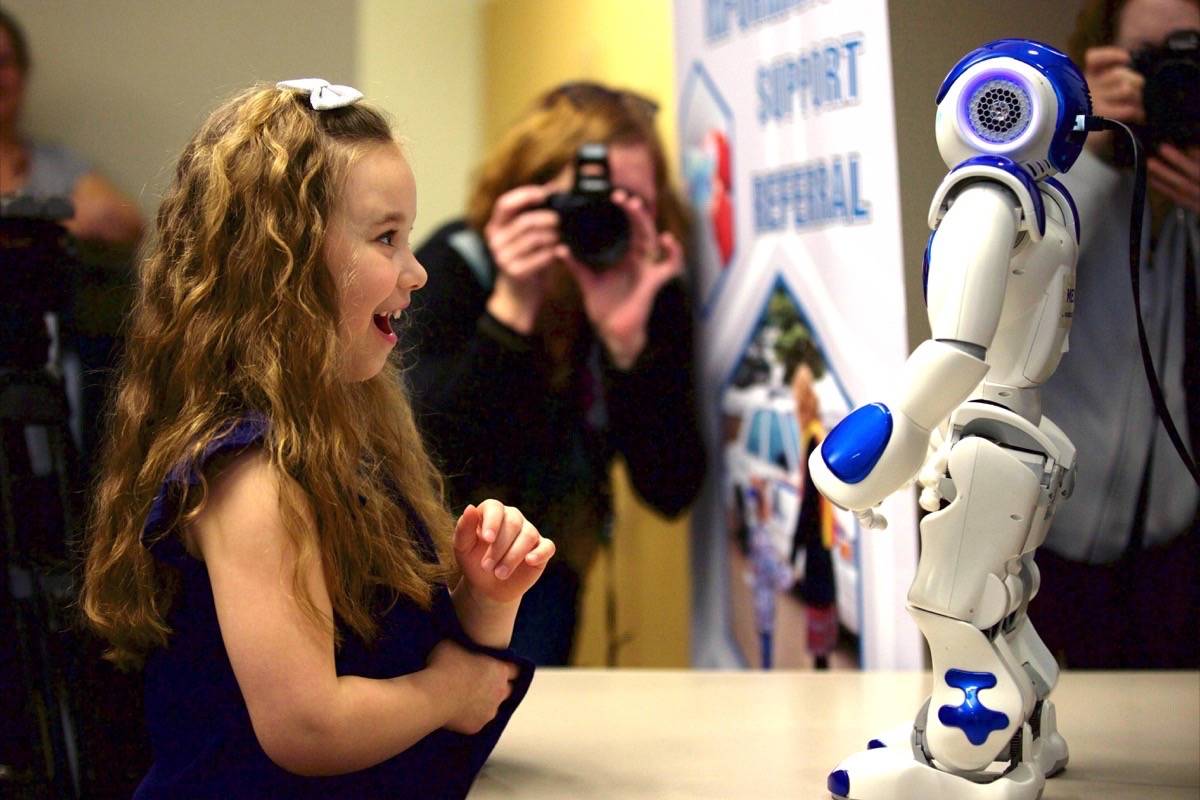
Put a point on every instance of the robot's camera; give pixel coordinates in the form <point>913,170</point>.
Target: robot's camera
<point>1171,95</point>
<point>590,223</point>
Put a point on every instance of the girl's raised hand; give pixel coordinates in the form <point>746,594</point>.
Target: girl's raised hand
<point>501,554</point>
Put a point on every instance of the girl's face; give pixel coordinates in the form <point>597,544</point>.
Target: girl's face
<point>368,251</point>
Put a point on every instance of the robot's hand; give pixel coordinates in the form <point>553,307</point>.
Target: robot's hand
<point>868,455</point>
<point>933,471</point>
<point>879,448</point>
<point>870,518</point>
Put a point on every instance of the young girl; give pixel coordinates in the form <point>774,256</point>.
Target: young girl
<point>269,538</point>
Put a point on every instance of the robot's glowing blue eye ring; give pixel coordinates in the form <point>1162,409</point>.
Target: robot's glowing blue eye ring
<point>997,109</point>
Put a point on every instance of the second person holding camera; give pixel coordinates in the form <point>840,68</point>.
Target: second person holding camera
<point>533,340</point>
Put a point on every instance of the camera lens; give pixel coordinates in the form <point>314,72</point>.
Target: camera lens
<point>597,231</point>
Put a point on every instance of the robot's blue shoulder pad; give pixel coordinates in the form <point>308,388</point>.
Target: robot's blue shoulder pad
<point>1056,190</point>
<point>1001,170</point>
<point>853,447</point>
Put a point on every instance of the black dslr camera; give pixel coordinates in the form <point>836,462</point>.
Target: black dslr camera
<point>1171,95</point>
<point>589,222</point>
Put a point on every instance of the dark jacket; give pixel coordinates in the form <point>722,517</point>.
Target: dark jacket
<point>499,428</point>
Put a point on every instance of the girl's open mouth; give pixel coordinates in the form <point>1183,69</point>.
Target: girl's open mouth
<point>384,324</point>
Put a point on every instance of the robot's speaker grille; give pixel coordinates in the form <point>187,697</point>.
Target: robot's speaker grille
<point>999,110</point>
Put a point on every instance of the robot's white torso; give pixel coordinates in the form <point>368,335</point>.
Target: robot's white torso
<point>1027,311</point>
<point>1021,318</point>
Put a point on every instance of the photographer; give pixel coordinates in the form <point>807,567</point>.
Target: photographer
<point>50,194</point>
<point>105,229</point>
<point>1120,577</point>
<point>557,364</point>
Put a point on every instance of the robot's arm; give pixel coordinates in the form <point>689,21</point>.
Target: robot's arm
<point>880,447</point>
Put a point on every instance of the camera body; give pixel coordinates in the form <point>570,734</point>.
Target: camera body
<point>1171,95</point>
<point>35,252</point>
<point>594,227</point>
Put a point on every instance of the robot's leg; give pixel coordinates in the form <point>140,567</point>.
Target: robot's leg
<point>982,697</point>
<point>1049,748</point>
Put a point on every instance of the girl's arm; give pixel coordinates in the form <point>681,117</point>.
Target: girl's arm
<point>308,719</point>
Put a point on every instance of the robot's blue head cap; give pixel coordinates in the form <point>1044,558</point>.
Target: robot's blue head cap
<point>1070,90</point>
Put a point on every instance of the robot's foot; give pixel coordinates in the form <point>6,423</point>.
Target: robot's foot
<point>1050,751</point>
<point>891,773</point>
<point>1050,754</point>
<point>1049,747</point>
<point>899,737</point>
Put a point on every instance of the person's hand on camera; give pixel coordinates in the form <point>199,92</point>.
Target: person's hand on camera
<point>1116,89</point>
<point>1175,174</point>
<point>478,683</point>
<point>618,301</point>
<point>522,239</point>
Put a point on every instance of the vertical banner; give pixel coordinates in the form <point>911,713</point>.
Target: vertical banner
<point>788,150</point>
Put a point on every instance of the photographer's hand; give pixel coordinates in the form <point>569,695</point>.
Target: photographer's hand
<point>522,239</point>
<point>619,301</point>
<point>1175,174</point>
<point>1116,92</point>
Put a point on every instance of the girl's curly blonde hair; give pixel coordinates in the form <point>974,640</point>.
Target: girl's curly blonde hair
<point>237,314</point>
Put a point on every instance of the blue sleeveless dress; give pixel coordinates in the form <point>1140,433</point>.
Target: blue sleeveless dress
<point>200,731</point>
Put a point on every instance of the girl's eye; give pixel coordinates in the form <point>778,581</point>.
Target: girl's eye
<point>388,238</point>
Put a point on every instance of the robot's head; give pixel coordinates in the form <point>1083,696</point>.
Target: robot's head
<point>1015,98</point>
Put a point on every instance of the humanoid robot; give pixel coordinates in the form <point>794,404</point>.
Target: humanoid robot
<point>966,424</point>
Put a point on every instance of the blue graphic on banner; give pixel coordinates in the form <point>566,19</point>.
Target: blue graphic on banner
<point>782,393</point>
<point>818,78</point>
<point>708,147</point>
<point>824,191</point>
<point>787,153</point>
<point>720,15</point>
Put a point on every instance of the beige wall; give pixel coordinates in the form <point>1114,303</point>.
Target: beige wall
<point>421,61</point>
<point>126,82</point>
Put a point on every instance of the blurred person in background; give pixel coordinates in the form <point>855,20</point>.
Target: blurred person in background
<point>1121,584</point>
<point>85,291</point>
<point>558,366</point>
<point>105,229</point>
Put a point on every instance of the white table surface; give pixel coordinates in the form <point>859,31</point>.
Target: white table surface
<point>584,734</point>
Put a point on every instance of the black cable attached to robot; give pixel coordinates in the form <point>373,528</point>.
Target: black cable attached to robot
<point>1093,123</point>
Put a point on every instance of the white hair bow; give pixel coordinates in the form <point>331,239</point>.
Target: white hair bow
<point>322,94</point>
